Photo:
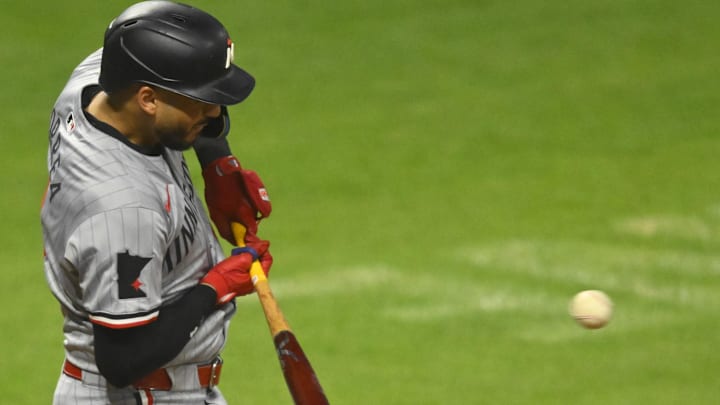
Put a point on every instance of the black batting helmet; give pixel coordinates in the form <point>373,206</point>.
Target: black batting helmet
<point>176,47</point>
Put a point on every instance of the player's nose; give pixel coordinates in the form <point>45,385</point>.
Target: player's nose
<point>213,111</point>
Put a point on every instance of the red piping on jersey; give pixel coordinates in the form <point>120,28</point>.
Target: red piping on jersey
<point>167,203</point>
<point>42,203</point>
<point>149,396</point>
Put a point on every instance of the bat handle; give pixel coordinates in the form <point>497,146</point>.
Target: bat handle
<point>274,316</point>
<point>299,375</point>
<point>256,271</point>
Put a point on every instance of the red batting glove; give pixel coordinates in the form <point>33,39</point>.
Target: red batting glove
<point>260,246</point>
<point>234,194</point>
<point>231,277</point>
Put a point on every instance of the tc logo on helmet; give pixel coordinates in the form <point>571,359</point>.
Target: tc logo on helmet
<point>230,53</point>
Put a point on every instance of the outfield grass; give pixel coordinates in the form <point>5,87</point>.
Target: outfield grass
<point>445,176</point>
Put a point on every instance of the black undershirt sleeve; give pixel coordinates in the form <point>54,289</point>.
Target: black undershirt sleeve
<point>126,355</point>
<point>209,149</point>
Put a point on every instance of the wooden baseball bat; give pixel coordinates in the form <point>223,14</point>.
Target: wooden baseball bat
<point>299,375</point>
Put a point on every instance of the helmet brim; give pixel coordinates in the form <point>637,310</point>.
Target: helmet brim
<point>232,88</point>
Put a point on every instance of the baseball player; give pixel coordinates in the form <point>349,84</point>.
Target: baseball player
<point>130,254</point>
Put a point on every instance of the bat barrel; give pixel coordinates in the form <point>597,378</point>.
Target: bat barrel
<point>300,377</point>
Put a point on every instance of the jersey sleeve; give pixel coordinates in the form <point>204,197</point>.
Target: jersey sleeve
<point>118,255</point>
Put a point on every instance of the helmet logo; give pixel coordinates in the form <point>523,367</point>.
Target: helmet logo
<point>230,53</point>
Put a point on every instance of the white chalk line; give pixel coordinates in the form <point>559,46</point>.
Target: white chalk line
<point>647,273</point>
<point>612,268</point>
<point>681,227</point>
<point>673,279</point>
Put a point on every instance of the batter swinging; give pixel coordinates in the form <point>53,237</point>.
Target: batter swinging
<point>130,253</point>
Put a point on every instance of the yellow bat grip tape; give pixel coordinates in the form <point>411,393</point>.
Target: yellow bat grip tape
<point>257,273</point>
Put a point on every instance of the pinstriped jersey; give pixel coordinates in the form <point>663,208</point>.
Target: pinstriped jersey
<point>125,232</point>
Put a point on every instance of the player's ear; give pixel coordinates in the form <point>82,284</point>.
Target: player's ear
<point>147,99</point>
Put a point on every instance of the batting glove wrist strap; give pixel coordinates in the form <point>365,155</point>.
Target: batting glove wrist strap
<point>246,249</point>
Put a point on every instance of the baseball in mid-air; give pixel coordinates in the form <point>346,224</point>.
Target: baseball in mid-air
<point>591,308</point>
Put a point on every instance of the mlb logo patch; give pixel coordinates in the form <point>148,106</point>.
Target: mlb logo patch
<point>70,123</point>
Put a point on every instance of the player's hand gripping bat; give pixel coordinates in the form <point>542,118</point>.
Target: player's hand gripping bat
<point>299,375</point>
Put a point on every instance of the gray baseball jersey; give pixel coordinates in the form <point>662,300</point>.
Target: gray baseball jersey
<point>124,230</point>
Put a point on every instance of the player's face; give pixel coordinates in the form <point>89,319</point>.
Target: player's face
<point>180,119</point>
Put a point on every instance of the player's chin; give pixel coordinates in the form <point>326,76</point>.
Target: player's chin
<point>181,143</point>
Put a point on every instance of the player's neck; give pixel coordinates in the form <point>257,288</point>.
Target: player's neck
<point>121,117</point>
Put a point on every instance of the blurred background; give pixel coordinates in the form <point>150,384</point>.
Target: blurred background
<point>445,175</point>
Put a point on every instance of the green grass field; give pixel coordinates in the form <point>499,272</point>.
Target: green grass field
<point>445,176</point>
